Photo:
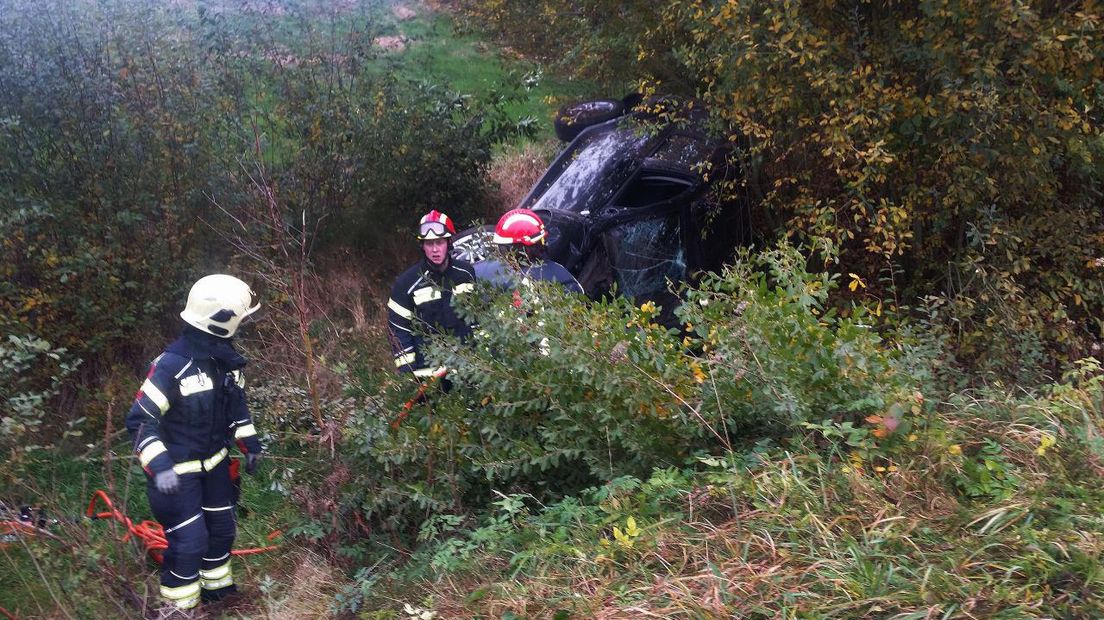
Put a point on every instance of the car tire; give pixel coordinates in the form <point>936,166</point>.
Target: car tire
<point>473,244</point>
<point>572,119</point>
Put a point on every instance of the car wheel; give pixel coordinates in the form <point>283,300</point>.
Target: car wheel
<point>572,119</point>
<point>474,244</point>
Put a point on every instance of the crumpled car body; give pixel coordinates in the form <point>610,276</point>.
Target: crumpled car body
<point>628,207</point>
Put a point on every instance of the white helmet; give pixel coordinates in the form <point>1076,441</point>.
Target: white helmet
<point>218,303</point>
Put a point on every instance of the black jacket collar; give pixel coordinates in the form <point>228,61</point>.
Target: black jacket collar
<point>194,343</point>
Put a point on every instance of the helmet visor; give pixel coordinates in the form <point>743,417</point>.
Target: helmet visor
<point>432,230</point>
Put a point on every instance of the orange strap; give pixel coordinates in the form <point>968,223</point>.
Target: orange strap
<point>151,533</point>
<point>16,527</point>
<point>408,405</point>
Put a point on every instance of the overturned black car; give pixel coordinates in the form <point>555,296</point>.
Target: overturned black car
<point>627,204</point>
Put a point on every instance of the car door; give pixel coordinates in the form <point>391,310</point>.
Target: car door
<point>639,244</point>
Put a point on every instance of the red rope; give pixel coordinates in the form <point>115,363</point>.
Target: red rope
<point>7,614</point>
<point>151,533</point>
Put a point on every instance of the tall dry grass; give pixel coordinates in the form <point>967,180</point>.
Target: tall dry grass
<point>514,171</point>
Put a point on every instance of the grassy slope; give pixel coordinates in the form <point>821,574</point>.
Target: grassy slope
<point>437,52</point>
<point>946,526</point>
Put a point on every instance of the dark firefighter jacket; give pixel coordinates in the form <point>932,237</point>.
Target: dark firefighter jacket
<point>192,406</point>
<point>501,275</point>
<point>421,301</point>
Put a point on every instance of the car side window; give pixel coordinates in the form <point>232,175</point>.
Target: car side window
<point>645,254</point>
<point>650,189</point>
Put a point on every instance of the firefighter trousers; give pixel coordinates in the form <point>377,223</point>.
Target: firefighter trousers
<point>199,525</point>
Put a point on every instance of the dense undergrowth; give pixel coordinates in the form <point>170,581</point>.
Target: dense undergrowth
<point>987,509</point>
<point>774,458</point>
<point>902,423</point>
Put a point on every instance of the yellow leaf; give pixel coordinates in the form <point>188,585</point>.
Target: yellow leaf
<point>856,282</point>
<point>1045,442</point>
<point>630,527</point>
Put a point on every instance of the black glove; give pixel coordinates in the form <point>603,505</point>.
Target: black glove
<point>251,461</point>
<point>166,481</point>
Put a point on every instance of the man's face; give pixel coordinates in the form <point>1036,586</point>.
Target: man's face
<point>436,251</point>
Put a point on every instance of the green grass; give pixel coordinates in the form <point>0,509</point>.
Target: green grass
<point>794,532</point>
<point>82,565</point>
<point>438,53</point>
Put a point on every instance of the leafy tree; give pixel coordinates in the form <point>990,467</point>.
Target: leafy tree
<point>950,148</point>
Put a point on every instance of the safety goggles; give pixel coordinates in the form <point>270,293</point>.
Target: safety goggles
<point>432,230</point>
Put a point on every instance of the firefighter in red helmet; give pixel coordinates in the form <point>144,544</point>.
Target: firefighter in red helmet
<point>521,232</point>
<point>423,295</point>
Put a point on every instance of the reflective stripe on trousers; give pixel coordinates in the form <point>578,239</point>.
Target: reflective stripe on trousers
<point>183,597</point>
<point>216,578</point>
<point>199,528</point>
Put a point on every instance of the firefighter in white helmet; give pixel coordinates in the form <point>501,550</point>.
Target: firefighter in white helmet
<point>185,417</point>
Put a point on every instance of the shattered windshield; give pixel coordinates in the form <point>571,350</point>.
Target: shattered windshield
<point>594,172</point>
<point>645,255</point>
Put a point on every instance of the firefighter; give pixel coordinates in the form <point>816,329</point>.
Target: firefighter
<point>188,412</point>
<point>423,294</point>
<point>522,231</point>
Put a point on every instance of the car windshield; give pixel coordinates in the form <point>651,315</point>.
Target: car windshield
<point>593,173</point>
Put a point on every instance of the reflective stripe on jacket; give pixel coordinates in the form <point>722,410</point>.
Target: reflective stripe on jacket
<point>421,299</point>
<point>191,406</point>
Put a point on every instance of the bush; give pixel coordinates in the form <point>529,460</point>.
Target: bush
<point>554,395</point>
<point>989,478</point>
<point>31,373</point>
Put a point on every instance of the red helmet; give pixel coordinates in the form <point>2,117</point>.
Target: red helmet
<point>435,225</point>
<point>521,226</point>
